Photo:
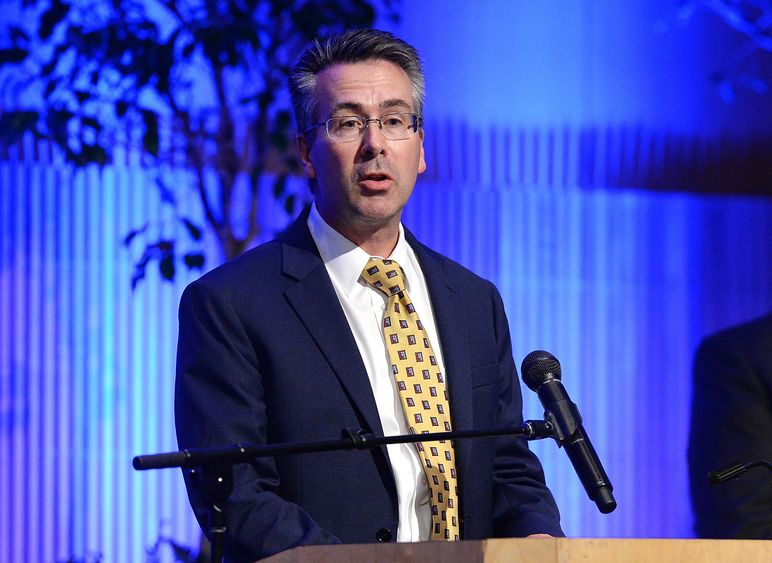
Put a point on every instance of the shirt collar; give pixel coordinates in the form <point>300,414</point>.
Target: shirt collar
<point>344,259</point>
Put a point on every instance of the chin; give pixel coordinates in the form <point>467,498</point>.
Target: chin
<point>379,213</point>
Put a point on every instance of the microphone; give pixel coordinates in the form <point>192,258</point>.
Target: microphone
<point>541,373</point>
<point>734,470</point>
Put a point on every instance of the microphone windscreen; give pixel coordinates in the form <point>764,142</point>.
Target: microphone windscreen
<point>537,367</point>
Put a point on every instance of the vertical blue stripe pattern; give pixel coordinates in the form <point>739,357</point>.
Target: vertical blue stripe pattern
<point>86,369</point>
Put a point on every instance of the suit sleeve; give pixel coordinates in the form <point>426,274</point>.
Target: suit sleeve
<point>731,421</point>
<point>523,504</point>
<point>219,400</point>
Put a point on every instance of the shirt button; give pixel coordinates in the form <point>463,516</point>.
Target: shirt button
<point>383,535</point>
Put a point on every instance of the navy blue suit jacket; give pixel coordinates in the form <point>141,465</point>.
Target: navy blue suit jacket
<point>266,355</point>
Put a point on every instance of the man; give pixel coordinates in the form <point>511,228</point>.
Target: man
<point>300,338</point>
<point>732,422</point>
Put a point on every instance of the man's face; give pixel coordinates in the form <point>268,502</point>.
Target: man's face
<point>362,186</point>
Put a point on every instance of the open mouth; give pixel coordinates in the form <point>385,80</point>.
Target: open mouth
<point>376,176</point>
<point>375,180</point>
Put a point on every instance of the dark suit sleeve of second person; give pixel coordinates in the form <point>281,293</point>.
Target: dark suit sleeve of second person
<point>219,401</point>
<point>523,504</point>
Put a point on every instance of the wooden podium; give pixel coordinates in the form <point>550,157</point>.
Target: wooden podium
<point>538,550</point>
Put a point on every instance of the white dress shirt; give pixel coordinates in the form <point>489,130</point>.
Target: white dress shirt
<point>364,307</point>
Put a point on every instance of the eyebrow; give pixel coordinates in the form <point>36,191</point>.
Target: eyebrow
<point>394,103</point>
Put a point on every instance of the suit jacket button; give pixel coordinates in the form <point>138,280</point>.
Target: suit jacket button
<point>383,535</point>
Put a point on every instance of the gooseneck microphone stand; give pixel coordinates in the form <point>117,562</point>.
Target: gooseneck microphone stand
<point>733,471</point>
<point>214,466</point>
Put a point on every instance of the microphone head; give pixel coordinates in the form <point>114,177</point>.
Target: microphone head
<point>537,367</point>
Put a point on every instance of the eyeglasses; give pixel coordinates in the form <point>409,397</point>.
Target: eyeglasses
<point>347,128</point>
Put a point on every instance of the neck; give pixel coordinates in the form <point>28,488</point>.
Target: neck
<point>376,238</point>
<point>378,244</point>
<point>378,241</point>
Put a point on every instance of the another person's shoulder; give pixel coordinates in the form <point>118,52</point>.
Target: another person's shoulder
<point>755,334</point>
<point>745,348</point>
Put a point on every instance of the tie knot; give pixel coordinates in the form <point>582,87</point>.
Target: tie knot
<point>384,275</point>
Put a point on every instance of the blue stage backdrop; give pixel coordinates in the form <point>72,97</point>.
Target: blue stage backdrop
<point>578,157</point>
<point>618,284</point>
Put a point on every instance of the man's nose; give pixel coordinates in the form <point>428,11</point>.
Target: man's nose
<point>373,142</point>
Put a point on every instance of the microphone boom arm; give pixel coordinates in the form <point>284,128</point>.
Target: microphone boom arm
<point>350,440</point>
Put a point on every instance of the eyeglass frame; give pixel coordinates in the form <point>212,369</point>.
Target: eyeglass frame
<point>416,119</point>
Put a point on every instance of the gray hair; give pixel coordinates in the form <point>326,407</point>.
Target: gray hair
<point>350,47</point>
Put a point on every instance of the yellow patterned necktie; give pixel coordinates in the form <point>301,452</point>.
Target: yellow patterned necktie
<point>422,392</point>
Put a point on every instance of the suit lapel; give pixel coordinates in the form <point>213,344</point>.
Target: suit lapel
<point>314,300</point>
<point>451,327</point>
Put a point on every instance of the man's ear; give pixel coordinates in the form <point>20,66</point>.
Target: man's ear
<point>305,156</point>
<point>421,159</point>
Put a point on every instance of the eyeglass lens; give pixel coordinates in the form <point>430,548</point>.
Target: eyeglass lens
<point>395,126</point>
